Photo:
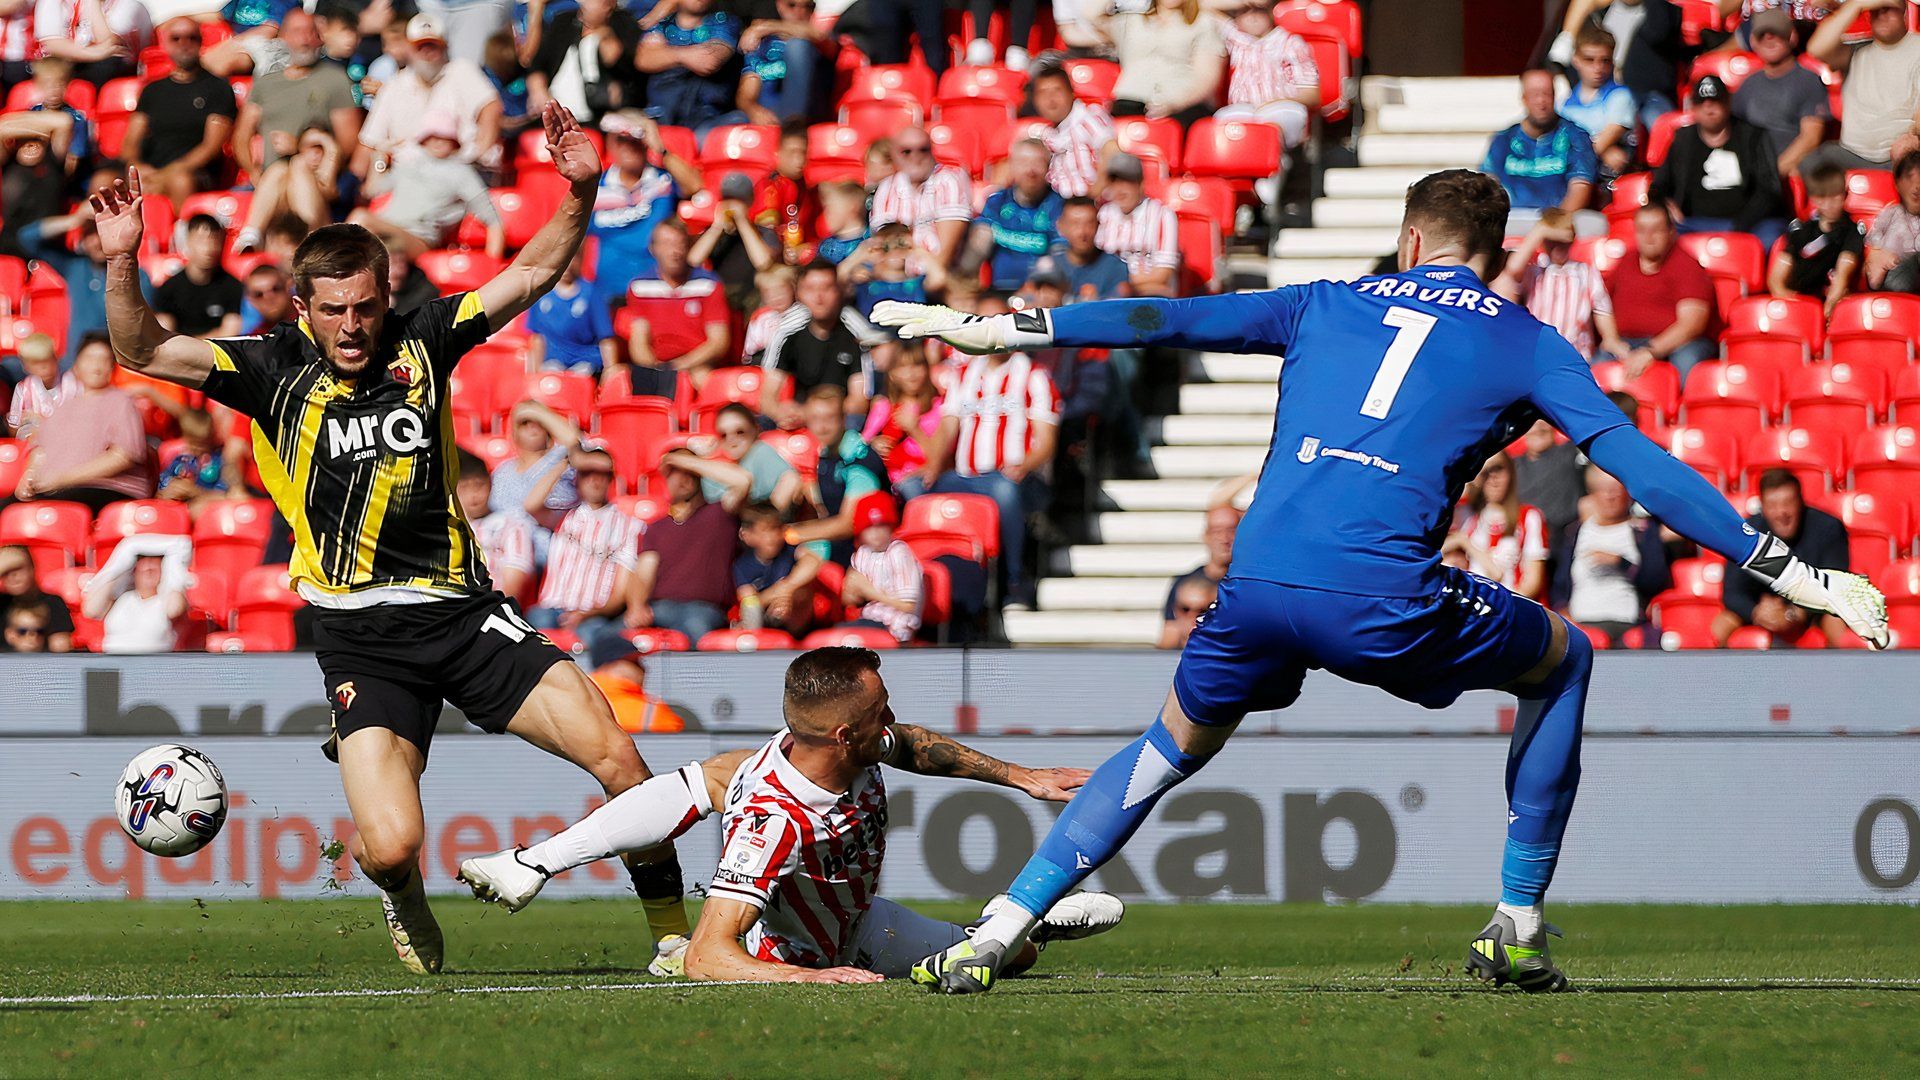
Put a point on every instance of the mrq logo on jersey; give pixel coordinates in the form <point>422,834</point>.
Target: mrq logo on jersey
<point>401,431</point>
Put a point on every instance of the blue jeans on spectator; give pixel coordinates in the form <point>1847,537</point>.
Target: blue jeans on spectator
<point>1767,230</point>
<point>1682,358</point>
<point>1652,107</point>
<point>909,487</point>
<point>1016,501</point>
<point>546,618</point>
<point>694,618</point>
<point>794,96</point>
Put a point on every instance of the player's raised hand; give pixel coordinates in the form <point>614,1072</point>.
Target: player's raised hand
<point>572,152</point>
<point>843,975</point>
<point>1052,785</point>
<point>116,215</point>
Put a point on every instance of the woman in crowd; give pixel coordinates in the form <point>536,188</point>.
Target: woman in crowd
<point>1503,539</point>
<point>903,426</point>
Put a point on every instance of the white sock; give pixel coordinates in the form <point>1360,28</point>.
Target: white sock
<point>1526,922</point>
<point>1007,927</point>
<point>638,818</point>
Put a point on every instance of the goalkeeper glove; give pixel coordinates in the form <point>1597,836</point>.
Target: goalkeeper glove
<point>1834,592</point>
<point>968,333</point>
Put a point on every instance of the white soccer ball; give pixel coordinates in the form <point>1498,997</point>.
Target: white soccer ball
<point>171,799</point>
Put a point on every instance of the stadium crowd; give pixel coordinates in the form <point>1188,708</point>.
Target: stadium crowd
<point>698,439</point>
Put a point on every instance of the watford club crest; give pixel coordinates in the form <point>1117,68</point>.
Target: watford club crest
<point>343,696</point>
<point>406,371</point>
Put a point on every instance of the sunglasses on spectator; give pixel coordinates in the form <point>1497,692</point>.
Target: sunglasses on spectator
<point>271,290</point>
<point>25,630</point>
<point>189,35</point>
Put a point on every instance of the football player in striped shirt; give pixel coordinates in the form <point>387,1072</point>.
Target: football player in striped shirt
<point>806,816</point>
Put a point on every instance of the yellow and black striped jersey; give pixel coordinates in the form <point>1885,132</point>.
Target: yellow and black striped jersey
<point>364,470</point>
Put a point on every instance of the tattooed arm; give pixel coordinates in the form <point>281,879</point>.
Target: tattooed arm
<point>930,753</point>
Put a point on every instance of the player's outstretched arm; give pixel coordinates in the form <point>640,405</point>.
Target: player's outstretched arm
<point>1689,505</point>
<point>930,753</point>
<point>140,343</point>
<point>533,272</point>
<point>1235,322</point>
<point>716,955</point>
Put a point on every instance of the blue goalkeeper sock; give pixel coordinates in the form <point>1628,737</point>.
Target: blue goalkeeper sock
<point>1103,815</point>
<point>1543,773</point>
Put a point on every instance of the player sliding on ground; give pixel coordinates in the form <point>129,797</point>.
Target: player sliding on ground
<point>1395,389</point>
<point>353,433</point>
<point>806,819</point>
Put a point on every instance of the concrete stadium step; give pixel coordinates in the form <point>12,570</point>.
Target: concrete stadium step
<point>1305,271</point>
<point>1488,116</point>
<point>1229,399</point>
<point>1384,182</point>
<point>1319,243</point>
<point>1083,627</point>
<point>1128,560</point>
<point>1237,368</point>
<point>1217,430</point>
<point>1102,594</point>
<point>1206,462</point>
<point>1182,495</point>
<point>1149,527</point>
<point>1465,96</point>
<point>1347,213</point>
<point>1455,151</point>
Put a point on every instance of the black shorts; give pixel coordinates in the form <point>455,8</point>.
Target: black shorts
<point>393,665</point>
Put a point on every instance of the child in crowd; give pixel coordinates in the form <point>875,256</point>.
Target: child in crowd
<point>432,191</point>
<point>42,389</point>
<point>845,207</point>
<point>785,203</point>
<point>776,286</point>
<point>198,473</point>
<point>569,331</point>
<point>772,578</point>
<point>885,576</point>
<point>903,425</point>
<point>891,266</point>
<point>1563,293</point>
<point>1822,253</point>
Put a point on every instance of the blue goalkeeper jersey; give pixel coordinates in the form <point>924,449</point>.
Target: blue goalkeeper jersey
<point>1394,392</point>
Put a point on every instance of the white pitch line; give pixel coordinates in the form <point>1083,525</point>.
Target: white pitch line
<point>298,995</point>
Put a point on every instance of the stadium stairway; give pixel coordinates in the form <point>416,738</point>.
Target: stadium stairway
<point>1109,591</point>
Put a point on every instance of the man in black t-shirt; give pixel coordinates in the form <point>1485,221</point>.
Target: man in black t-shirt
<point>820,342</point>
<point>182,122</point>
<point>202,300</point>
<point>1823,252</point>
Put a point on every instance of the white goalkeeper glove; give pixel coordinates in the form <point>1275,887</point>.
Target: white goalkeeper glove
<point>1833,592</point>
<point>969,333</point>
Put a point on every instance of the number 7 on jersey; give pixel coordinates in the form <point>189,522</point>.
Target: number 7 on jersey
<point>1411,330</point>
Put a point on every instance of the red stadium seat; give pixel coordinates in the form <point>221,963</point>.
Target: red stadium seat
<point>633,431</point>
<point>1724,392</point>
<point>230,207</point>
<point>1817,458</point>
<point>263,606</point>
<point>1660,136</point>
<point>567,393</point>
<point>491,449</point>
<point>1750,637</point>
<point>1903,404</point>
<point>936,595</point>
<point>1875,328</point>
<point>643,508</point>
<point>80,97</point>
<point>1868,192</point>
<point>732,385</point>
<point>975,114</point>
<point>1340,19</point>
<point>1699,577</point>
<point>1732,67</point>
<point>118,97</point>
<point>1842,398</point>
<point>135,517</point>
<point>1234,150</point>
<point>746,641</point>
<point>230,538</point>
<point>1137,133</point>
<point>522,212</point>
<point>1886,461</point>
<point>835,142</point>
<point>968,148</point>
<point>1206,196</point>
<point>1093,79</point>
<point>1735,261</point>
<point>1629,195</point>
<point>963,83</point>
<point>747,148</point>
<point>653,639</point>
<point>880,82</point>
<point>880,119</point>
<point>1335,64</point>
<point>13,464</point>
<point>797,448</point>
<point>681,141</point>
<point>1202,254</point>
<point>973,516</point>
<point>55,533</point>
<point>1900,581</point>
<point>1798,319</point>
<point>1883,525</point>
<point>868,637</point>
<point>254,639</point>
<point>1690,617</point>
<point>475,404</point>
<point>1714,454</point>
<point>1697,16</point>
<point>456,271</point>
<point>1657,388</point>
<point>1602,253</point>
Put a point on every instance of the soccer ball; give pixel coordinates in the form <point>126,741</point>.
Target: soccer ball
<point>171,799</point>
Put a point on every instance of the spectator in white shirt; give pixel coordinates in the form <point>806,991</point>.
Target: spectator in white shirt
<point>1142,231</point>
<point>1615,561</point>
<point>506,540</point>
<point>936,200</point>
<point>99,37</point>
<point>1893,243</point>
<point>42,388</point>
<point>139,593</point>
<point>593,556</point>
<point>430,83</point>
<point>1081,135</point>
<point>885,578</point>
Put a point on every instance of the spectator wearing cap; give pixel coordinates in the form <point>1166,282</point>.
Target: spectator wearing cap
<point>1720,175</point>
<point>1092,273</point>
<point>692,61</point>
<point>506,540</point>
<point>1602,107</point>
<point>202,300</point>
<point>1559,290</point>
<point>41,389</point>
<point>618,673</point>
<point>1823,253</point>
<point>681,322</point>
<point>1018,223</point>
<point>783,48</point>
<point>568,330</point>
<point>1613,562</point>
<point>585,61</point>
<point>433,192</point>
<point>1814,535</point>
<point>592,557</point>
<point>93,448</point>
<point>885,576</point>
<point>20,592</point>
<point>1139,229</point>
<point>1662,299</point>
<point>1783,99</point>
<point>1880,99</point>
<point>429,85</point>
<point>181,123</point>
<point>1893,243</point>
<point>1171,58</point>
<point>97,37</point>
<point>467,24</point>
<point>1545,160</point>
<point>641,189</point>
<point>283,106</point>
<point>821,341</point>
<point>935,200</point>
<point>685,576</point>
<point>1079,136</point>
<point>773,581</point>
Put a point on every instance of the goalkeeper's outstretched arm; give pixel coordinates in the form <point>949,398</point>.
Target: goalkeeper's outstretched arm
<point>1235,322</point>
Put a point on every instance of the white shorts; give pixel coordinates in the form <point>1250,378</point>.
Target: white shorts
<point>1289,116</point>
<point>891,939</point>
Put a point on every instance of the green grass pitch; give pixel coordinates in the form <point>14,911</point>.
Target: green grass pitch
<point>293,989</point>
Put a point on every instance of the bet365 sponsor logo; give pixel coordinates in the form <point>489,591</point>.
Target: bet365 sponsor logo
<point>399,431</point>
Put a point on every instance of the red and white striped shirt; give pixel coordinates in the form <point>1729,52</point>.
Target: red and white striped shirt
<point>1076,143</point>
<point>34,401</point>
<point>1147,239</point>
<point>506,542</point>
<point>1276,66</point>
<point>588,551</point>
<point>896,572</point>
<point>998,405</point>
<point>947,195</point>
<point>1566,297</point>
<point>17,41</point>
<point>807,857</point>
<point>1506,548</point>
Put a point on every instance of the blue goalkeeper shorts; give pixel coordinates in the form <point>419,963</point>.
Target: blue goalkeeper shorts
<point>1253,648</point>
